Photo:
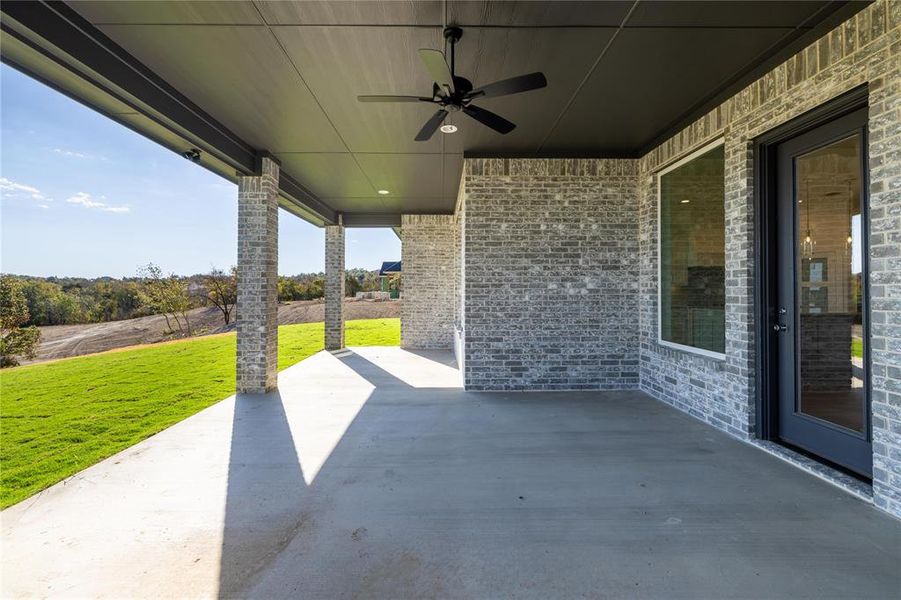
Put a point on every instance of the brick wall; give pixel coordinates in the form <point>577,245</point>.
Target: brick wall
<point>429,267</point>
<point>459,273</point>
<point>556,254</point>
<point>864,50</point>
<point>551,274</point>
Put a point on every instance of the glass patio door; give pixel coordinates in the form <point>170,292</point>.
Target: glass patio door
<point>820,316</point>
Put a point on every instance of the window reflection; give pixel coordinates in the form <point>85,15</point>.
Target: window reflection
<point>692,253</point>
<point>829,233</point>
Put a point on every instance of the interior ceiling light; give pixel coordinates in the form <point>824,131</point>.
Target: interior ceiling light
<point>808,245</point>
<point>850,239</point>
<point>384,192</point>
<point>685,201</point>
<point>448,128</point>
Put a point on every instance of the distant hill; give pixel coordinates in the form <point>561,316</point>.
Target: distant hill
<point>63,341</point>
<point>81,300</point>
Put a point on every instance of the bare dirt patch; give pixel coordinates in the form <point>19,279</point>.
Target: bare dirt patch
<point>62,341</point>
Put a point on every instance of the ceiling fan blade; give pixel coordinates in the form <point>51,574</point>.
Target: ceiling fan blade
<point>431,126</point>
<point>437,65</point>
<point>514,85</point>
<point>486,117</point>
<point>392,99</point>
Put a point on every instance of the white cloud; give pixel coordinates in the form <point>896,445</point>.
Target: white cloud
<point>88,201</point>
<point>70,153</point>
<point>84,199</point>
<point>13,189</point>
<point>20,190</point>
<point>76,154</point>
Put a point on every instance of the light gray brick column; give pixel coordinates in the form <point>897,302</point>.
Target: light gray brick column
<point>257,358</point>
<point>334,287</point>
<point>429,265</point>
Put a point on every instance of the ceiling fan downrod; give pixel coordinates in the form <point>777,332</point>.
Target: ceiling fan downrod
<point>453,34</point>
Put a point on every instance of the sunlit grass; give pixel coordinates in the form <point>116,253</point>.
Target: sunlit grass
<point>58,418</point>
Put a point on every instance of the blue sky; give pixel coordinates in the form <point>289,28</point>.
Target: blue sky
<point>84,196</point>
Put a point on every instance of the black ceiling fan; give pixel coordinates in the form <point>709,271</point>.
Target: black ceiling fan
<point>453,93</point>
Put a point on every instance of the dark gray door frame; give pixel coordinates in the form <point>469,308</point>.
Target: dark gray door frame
<point>767,417</point>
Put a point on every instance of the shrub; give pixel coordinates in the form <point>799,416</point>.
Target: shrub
<point>15,340</point>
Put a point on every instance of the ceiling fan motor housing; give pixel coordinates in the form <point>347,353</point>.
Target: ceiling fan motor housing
<point>458,99</point>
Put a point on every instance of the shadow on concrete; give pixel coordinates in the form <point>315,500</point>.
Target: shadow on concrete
<point>268,500</point>
<point>439,356</point>
<point>264,506</point>
<point>373,373</point>
<point>431,492</point>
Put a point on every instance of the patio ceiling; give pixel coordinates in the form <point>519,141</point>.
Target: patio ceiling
<point>238,78</point>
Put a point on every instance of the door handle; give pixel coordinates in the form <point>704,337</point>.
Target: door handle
<point>779,327</point>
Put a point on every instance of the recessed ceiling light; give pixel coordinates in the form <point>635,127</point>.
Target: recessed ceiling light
<point>685,201</point>
<point>448,128</point>
<point>384,192</point>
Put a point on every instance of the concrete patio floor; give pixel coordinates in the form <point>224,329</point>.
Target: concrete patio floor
<point>372,474</point>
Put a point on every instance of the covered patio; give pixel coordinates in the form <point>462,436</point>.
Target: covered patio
<point>372,473</point>
<point>629,254</point>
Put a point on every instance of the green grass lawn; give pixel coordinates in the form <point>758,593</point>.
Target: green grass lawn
<point>58,418</point>
<point>856,347</point>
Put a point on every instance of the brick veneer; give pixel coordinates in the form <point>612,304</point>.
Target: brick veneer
<point>551,274</point>
<point>334,287</point>
<point>863,50</point>
<point>429,265</point>
<point>257,320</point>
<point>557,254</point>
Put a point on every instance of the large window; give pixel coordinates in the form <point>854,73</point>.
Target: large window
<point>693,252</point>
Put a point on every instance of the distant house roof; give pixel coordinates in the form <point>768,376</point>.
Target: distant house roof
<point>389,267</point>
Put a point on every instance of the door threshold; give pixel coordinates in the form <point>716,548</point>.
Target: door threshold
<point>852,485</point>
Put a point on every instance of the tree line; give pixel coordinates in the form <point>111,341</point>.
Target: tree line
<point>77,300</point>
<point>29,302</point>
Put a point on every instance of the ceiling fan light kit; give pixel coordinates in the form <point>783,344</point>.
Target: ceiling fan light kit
<point>456,94</point>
